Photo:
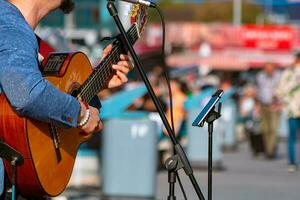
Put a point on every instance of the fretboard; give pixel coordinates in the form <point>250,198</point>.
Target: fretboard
<point>96,81</point>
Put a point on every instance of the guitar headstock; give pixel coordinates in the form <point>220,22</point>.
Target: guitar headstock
<point>138,17</point>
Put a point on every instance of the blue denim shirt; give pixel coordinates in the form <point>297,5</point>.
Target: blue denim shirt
<point>20,79</point>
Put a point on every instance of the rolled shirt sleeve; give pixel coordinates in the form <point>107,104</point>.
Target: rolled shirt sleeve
<point>22,82</point>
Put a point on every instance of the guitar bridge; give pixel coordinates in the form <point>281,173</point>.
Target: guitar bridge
<point>56,140</point>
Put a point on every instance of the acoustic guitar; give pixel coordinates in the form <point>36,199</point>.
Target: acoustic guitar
<point>49,152</point>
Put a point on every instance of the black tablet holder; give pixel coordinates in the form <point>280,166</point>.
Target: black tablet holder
<point>209,115</point>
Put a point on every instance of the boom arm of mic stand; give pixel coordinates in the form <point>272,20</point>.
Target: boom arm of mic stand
<point>179,150</point>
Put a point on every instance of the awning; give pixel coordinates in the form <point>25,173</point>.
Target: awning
<point>231,59</point>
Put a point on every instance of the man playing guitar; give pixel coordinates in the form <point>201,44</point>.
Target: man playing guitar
<point>21,81</point>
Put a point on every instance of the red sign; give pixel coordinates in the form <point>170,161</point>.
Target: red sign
<point>268,37</point>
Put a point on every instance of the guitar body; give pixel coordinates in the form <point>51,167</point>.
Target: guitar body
<point>49,152</point>
<point>46,170</point>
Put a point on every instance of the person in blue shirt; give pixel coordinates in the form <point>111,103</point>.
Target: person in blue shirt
<point>21,80</point>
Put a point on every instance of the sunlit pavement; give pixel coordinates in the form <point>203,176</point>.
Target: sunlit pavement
<point>243,178</point>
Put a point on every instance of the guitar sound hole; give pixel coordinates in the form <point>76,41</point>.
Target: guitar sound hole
<point>75,93</point>
<point>74,89</point>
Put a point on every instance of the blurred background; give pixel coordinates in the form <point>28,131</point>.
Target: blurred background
<point>249,48</point>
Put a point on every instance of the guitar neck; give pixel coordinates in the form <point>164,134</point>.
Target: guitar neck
<point>96,81</point>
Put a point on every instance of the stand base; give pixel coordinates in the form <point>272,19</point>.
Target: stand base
<point>202,165</point>
<point>171,198</point>
<point>126,198</point>
<point>230,148</point>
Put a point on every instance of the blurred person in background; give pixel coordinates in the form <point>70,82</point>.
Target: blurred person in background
<point>22,82</point>
<point>179,114</point>
<point>289,90</point>
<point>250,116</point>
<point>145,103</point>
<point>226,83</point>
<point>266,81</point>
<point>179,98</point>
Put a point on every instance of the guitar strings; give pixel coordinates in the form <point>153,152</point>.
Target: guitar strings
<point>86,91</point>
<point>86,88</point>
<point>104,69</point>
<point>103,72</point>
<point>89,88</point>
<point>91,84</point>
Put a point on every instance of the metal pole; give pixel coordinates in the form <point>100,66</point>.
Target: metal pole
<point>237,12</point>
<point>69,21</point>
<point>210,149</point>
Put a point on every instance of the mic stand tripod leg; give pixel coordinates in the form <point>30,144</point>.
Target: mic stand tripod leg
<point>172,181</point>
<point>13,181</point>
<point>173,164</point>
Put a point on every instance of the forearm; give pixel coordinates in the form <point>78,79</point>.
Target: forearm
<point>21,80</point>
<point>31,95</point>
<point>44,102</point>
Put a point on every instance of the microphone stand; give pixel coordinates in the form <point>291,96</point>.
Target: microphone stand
<point>15,158</point>
<point>212,116</point>
<point>180,154</point>
<point>209,115</point>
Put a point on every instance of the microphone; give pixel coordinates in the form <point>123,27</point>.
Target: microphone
<point>142,2</point>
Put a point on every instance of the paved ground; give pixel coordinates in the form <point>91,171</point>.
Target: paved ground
<point>244,178</point>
